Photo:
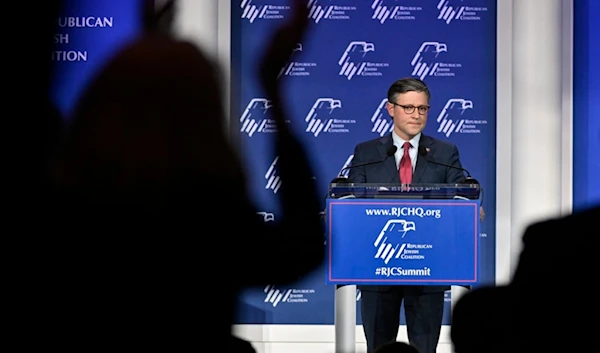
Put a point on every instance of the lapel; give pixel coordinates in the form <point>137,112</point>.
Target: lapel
<point>389,163</point>
<point>428,143</point>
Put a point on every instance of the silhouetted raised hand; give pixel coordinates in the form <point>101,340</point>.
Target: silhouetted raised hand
<point>298,194</point>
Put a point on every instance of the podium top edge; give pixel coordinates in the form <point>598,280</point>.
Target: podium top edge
<point>407,186</point>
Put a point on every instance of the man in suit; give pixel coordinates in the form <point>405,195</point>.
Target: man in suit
<point>408,105</point>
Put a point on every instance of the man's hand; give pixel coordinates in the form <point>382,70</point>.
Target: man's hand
<point>481,213</point>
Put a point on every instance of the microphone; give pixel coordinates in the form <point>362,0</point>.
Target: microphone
<point>342,179</point>
<point>468,180</point>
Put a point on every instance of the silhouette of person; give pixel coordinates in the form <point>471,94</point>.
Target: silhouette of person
<point>549,297</point>
<point>159,225</point>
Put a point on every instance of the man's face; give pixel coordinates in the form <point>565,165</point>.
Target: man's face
<point>409,113</point>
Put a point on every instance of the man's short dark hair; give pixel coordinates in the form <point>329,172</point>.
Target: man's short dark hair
<point>407,84</point>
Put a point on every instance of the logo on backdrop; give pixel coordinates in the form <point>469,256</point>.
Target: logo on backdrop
<point>322,119</point>
<point>454,118</point>
<point>272,177</point>
<point>427,61</point>
<point>297,67</point>
<point>275,296</point>
<point>332,11</point>
<point>347,164</point>
<point>449,11</point>
<point>256,117</point>
<point>354,61</point>
<point>266,216</point>
<point>382,122</point>
<point>252,12</point>
<point>384,10</point>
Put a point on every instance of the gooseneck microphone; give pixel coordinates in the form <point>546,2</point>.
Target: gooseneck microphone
<point>468,180</point>
<point>342,179</point>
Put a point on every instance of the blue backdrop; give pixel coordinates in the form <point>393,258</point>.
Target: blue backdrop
<point>458,39</point>
<point>586,104</point>
<point>89,32</point>
<point>337,85</point>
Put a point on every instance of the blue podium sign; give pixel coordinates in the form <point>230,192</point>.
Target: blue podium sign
<point>402,242</point>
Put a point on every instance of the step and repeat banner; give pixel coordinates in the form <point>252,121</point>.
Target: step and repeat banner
<point>88,33</point>
<point>336,87</point>
<point>586,104</point>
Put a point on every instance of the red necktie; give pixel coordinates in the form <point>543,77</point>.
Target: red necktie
<point>406,171</point>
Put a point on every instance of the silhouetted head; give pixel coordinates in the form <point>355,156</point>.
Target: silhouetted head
<point>151,119</point>
<point>481,321</point>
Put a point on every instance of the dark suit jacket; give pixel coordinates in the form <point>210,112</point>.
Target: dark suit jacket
<point>387,173</point>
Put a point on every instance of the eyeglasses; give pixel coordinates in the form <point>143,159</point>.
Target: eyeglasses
<point>409,109</point>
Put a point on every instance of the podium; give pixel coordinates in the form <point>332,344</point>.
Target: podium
<point>379,234</point>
